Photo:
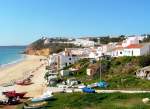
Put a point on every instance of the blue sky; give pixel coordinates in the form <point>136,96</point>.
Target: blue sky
<point>23,21</point>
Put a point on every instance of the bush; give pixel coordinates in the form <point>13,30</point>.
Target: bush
<point>144,60</point>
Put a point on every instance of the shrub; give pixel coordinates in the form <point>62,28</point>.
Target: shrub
<point>144,60</point>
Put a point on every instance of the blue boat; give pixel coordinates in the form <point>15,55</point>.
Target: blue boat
<point>102,84</point>
<point>88,90</point>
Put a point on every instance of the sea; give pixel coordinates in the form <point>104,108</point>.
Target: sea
<point>11,55</point>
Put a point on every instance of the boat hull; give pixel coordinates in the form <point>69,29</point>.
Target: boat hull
<point>40,99</point>
<point>36,105</point>
<point>14,94</point>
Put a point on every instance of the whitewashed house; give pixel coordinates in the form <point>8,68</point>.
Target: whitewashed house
<point>66,60</point>
<point>131,47</point>
<point>129,41</point>
<point>63,59</point>
<point>132,50</point>
<point>80,52</point>
<point>105,49</point>
<point>84,43</point>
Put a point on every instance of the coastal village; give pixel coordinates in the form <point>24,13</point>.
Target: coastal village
<point>77,70</point>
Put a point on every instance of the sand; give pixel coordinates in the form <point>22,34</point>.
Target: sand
<point>22,70</point>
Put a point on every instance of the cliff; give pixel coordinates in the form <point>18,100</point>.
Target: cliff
<point>46,46</point>
<point>42,52</point>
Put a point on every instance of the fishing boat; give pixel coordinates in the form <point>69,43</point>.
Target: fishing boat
<point>35,105</point>
<point>23,82</point>
<point>14,94</point>
<point>46,96</point>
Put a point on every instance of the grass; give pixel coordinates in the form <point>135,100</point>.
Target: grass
<point>98,101</point>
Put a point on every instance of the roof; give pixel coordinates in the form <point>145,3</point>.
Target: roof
<point>119,43</point>
<point>134,46</point>
<point>147,68</point>
<point>118,48</point>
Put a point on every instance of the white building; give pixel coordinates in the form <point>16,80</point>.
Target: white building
<point>84,43</point>
<point>132,50</point>
<point>63,59</point>
<point>129,41</point>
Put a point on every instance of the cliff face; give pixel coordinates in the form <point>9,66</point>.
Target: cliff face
<point>46,46</point>
<point>42,52</point>
<point>39,47</point>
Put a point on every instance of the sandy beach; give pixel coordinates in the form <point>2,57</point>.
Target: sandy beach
<point>30,65</point>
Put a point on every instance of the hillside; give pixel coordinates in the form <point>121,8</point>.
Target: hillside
<point>118,72</point>
<point>46,46</point>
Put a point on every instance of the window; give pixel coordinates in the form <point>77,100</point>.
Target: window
<point>120,52</point>
<point>66,64</point>
<point>69,58</point>
<point>132,52</point>
<point>69,63</point>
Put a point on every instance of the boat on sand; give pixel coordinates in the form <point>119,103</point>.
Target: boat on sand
<point>24,82</point>
<point>35,105</point>
<point>46,96</point>
<point>14,94</point>
<point>88,90</point>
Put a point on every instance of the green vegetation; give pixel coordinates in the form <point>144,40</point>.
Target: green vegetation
<point>147,39</point>
<point>97,101</point>
<point>107,39</point>
<point>118,72</point>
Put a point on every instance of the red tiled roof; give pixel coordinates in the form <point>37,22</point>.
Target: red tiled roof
<point>134,46</point>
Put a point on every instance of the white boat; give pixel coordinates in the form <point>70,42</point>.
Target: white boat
<point>69,90</point>
<point>46,96</point>
<point>81,86</point>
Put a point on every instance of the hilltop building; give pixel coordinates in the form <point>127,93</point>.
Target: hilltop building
<point>84,43</point>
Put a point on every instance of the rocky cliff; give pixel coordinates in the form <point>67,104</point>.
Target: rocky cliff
<point>39,47</point>
<point>46,46</point>
<point>42,52</point>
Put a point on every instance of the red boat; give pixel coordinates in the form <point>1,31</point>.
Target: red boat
<point>14,94</point>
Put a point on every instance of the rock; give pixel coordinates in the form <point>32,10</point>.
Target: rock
<point>145,100</point>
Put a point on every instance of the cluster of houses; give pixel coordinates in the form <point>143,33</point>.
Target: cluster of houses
<point>131,46</point>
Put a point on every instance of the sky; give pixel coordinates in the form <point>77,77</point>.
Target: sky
<point>24,21</point>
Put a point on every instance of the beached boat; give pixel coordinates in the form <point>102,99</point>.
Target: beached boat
<point>93,85</point>
<point>13,100</point>
<point>88,90</point>
<point>46,96</point>
<point>35,105</point>
<point>23,82</point>
<point>102,84</point>
<point>14,94</point>
<point>3,101</point>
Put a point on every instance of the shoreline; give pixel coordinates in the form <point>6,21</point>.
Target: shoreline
<point>19,70</point>
<point>29,65</point>
<point>12,63</point>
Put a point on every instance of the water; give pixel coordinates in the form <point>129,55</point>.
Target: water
<point>10,54</point>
